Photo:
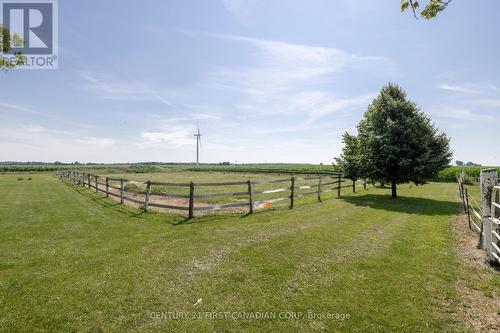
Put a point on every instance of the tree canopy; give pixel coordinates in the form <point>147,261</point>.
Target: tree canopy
<point>7,41</point>
<point>431,10</point>
<point>396,143</point>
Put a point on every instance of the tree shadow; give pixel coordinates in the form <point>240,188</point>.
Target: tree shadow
<point>409,205</point>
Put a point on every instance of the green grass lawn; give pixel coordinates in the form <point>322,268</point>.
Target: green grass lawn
<point>73,261</point>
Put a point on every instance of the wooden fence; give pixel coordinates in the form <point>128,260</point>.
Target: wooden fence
<point>150,197</point>
<point>482,214</point>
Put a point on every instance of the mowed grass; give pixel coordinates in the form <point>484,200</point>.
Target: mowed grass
<point>71,260</point>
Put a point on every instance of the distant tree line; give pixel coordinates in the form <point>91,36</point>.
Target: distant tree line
<point>460,163</point>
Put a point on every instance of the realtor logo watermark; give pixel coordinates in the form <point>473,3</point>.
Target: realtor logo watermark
<point>35,23</point>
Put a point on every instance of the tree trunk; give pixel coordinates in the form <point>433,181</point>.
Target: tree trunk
<point>394,189</point>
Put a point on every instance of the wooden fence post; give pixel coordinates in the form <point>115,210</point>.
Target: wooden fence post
<point>88,180</point>
<point>354,186</point>
<point>489,179</point>
<point>463,198</point>
<point>319,188</point>
<point>459,188</point>
<point>340,183</point>
<point>107,187</point>
<point>121,190</point>
<point>146,198</point>
<point>292,193</point>
<point>96,184</point>
<point>250,199</point>
<point>364,184</point>
<point>191,200</point>
<point>468,207</point>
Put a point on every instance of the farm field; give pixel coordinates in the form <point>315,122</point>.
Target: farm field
<point>72,260</point>
<point>160,167</point>
<point>448,174</point>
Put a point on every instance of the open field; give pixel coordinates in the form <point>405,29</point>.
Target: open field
<point>73,260</point>
<point>448,174</point>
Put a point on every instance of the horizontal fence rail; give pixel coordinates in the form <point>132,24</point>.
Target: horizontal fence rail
<point>149,194</point>
<point>495,225</point>
<point>483,214</point>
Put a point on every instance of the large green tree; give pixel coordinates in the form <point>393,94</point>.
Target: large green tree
<point>396,143</point>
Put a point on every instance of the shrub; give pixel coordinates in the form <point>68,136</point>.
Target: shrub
<point>450,174</point>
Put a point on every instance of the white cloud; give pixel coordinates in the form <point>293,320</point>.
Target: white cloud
<point>37,142</point>
<point>489,102</point>
<point>97,142</point>
<point>35,128</point>
<point>475,95</point>
<point>341,132</point>
<point>463,114</point>
<point>468,89</point>
<point>9,107</point>
<point>243,10</point>
<point>112,89</point>
<point>175,136</point>
<point>281,75</point>
<point>285,63</point>
<point>333,105</point>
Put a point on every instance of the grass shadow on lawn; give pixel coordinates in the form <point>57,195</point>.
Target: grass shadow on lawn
<point>124,209</point>
<point>409,205</point>
<point>107,202</point>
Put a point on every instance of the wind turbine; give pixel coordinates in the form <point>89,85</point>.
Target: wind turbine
<point>198,145</point>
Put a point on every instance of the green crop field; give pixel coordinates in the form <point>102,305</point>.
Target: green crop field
<point>448,174</point>
<point>71,260</point>
<point>162,167</point>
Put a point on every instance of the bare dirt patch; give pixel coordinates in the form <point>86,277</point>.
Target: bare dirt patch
<point>166,200</point>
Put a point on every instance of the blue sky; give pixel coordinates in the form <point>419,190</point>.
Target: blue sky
<point>275,81</point>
